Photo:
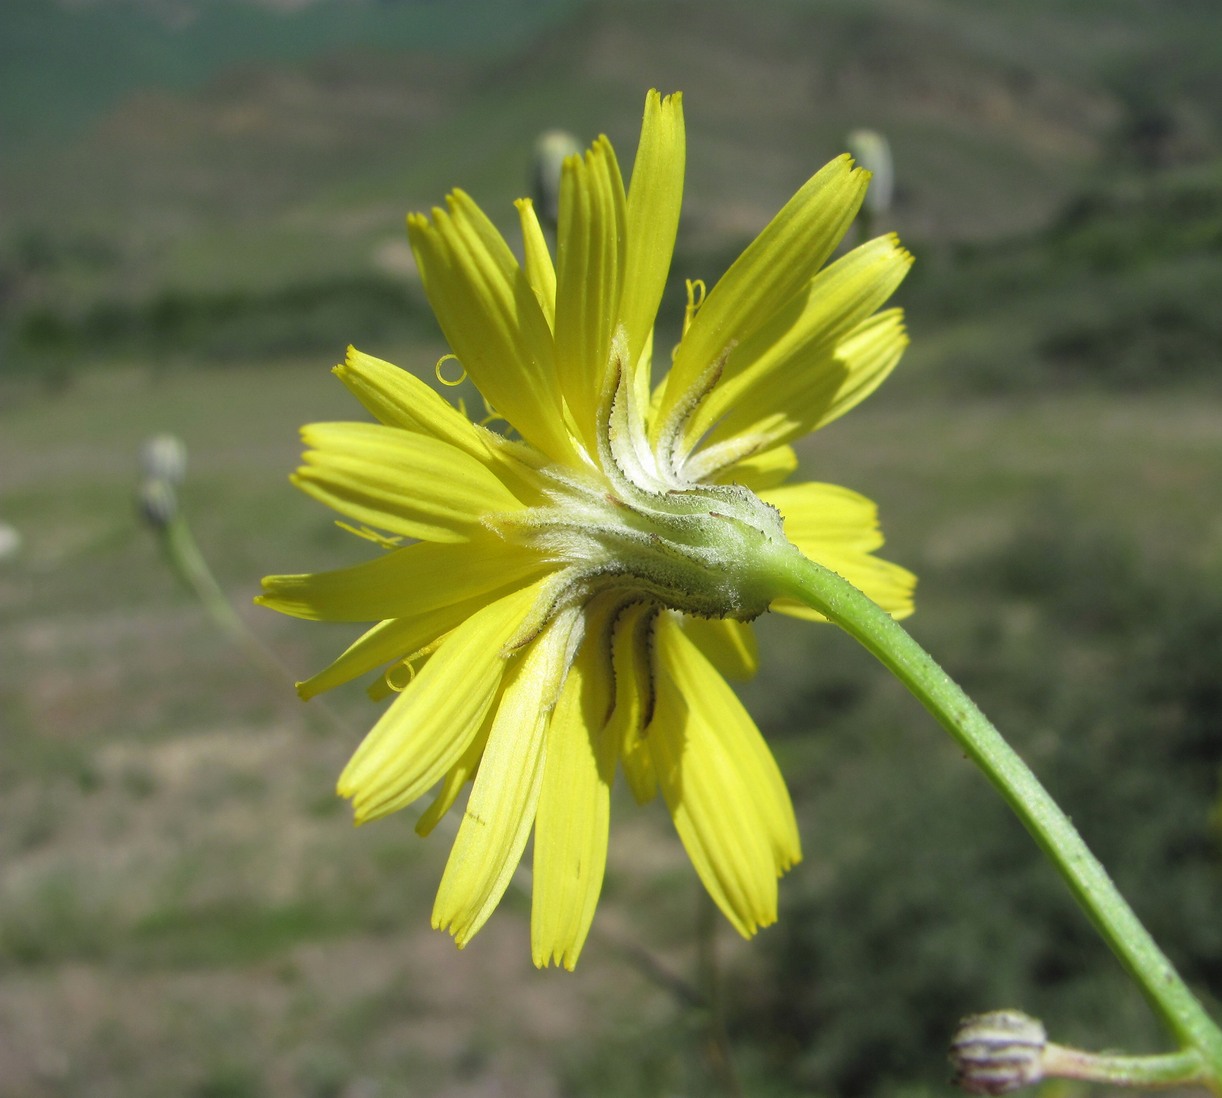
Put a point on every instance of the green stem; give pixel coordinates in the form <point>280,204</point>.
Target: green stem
<point>840,602</point>
<point>1173,1069</point>
<point>189,564</point>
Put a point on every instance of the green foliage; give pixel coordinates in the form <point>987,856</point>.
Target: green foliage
<point>1155,250</point>
<point>233,932</point>
<point>1119,291</point>
<point>214,328</point>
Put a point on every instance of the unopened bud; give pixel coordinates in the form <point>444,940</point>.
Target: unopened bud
<point>998,1052</point>
<point>10,541</point>
<point>873,152</point>
<point>551,150</point>
<point>158,502</point>
<point>164,457</point>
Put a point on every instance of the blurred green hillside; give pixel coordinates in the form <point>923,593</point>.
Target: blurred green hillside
<point>214,183</point>
<point>66,64</point>
<point>203,203</point>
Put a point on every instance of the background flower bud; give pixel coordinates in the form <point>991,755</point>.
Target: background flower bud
<point>552,148</point>
<point>873,152</point>
<point>998,1052</point>
<point>164,457</point>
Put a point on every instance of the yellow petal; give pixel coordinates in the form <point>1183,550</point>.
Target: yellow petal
<point>459,774</point>
<point>400,399</point>
<point>489,315</point>
<point>540,271</point>
<point>727,644</point>
<point>502,805</point>
<point>405,583</point>
<point>718,706</point>
<point>762,469</point>
<point>815,392</point>
<point>869,353</point>
<point>818,516</point>
<point>655,196</point>
<point>839,529</point>
<point>632,639</point>
<point>799,338</point>
<point>775,266</point>
<point>589,267</point>
<point>721,784</point>
<point>574,808</point>
<point>409,484</point>
<point>387,641</point>
<point>429,725</point>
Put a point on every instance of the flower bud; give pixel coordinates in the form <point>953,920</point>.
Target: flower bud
<point>552,148</point>
<point>873,152</point>
<point>164,457</point>
<point>10,541</point>
<point>998,1052</point>
<point>157,501</point>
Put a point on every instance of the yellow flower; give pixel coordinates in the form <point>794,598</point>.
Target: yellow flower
<point>568,602</point>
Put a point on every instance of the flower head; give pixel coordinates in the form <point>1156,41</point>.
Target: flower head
<point>561,604</point>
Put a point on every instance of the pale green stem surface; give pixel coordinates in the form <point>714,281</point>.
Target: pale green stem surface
<point>1173,1069</point>
<point>189,563</point>
<point>840,602</point>
<point>191,567</point>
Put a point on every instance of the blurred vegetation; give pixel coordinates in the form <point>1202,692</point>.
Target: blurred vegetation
<point>182,909</point>
<point>209,329</point>
<point>1062,188</point>
<point>1117,291</point>
<point>1105,672</point>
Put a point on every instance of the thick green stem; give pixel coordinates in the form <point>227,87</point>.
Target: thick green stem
<point>843,604</point>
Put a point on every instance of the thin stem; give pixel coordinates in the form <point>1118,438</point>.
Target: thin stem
<point>652,968</point>
<point>718,1040</point>
<point>190,565</point>
<point>1090,884</point>
<point>1173,1069</point>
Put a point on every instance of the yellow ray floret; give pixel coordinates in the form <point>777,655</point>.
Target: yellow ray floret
<point>565,600</point>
